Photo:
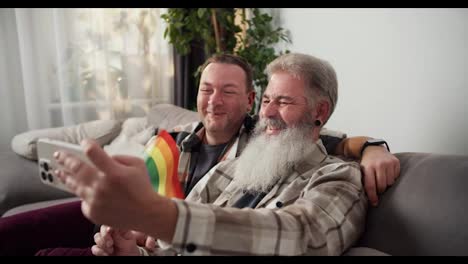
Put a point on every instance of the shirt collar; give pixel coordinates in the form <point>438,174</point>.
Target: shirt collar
<point>315,157</point>
<point>195,138</point>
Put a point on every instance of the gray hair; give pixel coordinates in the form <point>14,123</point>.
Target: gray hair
<point>318,74</point>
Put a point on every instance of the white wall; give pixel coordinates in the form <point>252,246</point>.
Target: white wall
<point>403,73</point>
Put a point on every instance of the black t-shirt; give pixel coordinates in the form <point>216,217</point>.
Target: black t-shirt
<point>202,161</point>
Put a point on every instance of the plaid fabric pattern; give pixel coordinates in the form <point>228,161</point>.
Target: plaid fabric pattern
<point>197,133</point>
<point>319,209</point>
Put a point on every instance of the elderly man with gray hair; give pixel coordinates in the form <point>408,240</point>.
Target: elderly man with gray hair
<point>280,197</point>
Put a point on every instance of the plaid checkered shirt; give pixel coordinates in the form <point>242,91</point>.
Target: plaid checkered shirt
<point>319,209</point>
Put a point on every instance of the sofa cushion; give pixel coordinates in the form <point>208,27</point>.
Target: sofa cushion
<point>137,131</point>
<point>103,131</point>
<point>20,183</point>
<point>424,212</point>
<point>168,116</point>
<point>132,139</point>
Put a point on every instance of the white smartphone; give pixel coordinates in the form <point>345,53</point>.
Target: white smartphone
<point>47,164</point>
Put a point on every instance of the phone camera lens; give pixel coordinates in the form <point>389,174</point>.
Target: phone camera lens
<point>51,178</point>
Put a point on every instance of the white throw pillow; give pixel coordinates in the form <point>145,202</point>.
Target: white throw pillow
<point>133,138</point>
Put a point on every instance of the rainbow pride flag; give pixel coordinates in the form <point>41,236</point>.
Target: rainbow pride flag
<point>162,158</point>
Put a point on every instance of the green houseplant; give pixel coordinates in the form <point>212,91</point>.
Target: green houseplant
<point>247,32</point>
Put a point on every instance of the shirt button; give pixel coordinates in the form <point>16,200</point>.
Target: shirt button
<point>279,204</point>
<point>190,247</point>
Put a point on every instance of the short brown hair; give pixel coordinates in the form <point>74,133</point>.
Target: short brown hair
<point>234,60</point>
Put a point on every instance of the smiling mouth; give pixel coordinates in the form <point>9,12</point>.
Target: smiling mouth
<point>216,114</point>
<point>273,130</point>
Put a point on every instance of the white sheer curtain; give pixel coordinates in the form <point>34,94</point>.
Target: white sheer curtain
<point>65,66</point>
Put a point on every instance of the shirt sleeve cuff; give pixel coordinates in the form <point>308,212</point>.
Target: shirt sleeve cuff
<point>194,228</point>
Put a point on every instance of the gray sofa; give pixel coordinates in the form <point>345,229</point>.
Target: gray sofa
<point>423,213</point>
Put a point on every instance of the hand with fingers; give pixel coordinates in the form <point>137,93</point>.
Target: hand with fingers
<point>117,242</point>
<point>116,191</point>
<point>380,169</point>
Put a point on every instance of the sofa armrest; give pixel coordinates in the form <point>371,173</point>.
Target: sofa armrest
<point>103,131</point>
<point>20,183</point>
<point>424,212</point>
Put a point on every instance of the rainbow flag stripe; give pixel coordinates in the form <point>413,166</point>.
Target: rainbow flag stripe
<point>162,158</point>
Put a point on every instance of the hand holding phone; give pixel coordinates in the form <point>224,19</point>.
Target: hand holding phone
<point>47,163</point>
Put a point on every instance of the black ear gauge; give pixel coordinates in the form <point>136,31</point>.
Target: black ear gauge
<point>317,123</point>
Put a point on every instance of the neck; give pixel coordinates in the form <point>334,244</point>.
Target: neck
<point>316,134</point>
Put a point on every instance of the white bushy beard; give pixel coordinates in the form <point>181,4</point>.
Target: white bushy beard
<point>266,159</point>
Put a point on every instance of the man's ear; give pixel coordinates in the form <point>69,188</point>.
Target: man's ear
<point>322,111</point>
<point>251,99</point>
